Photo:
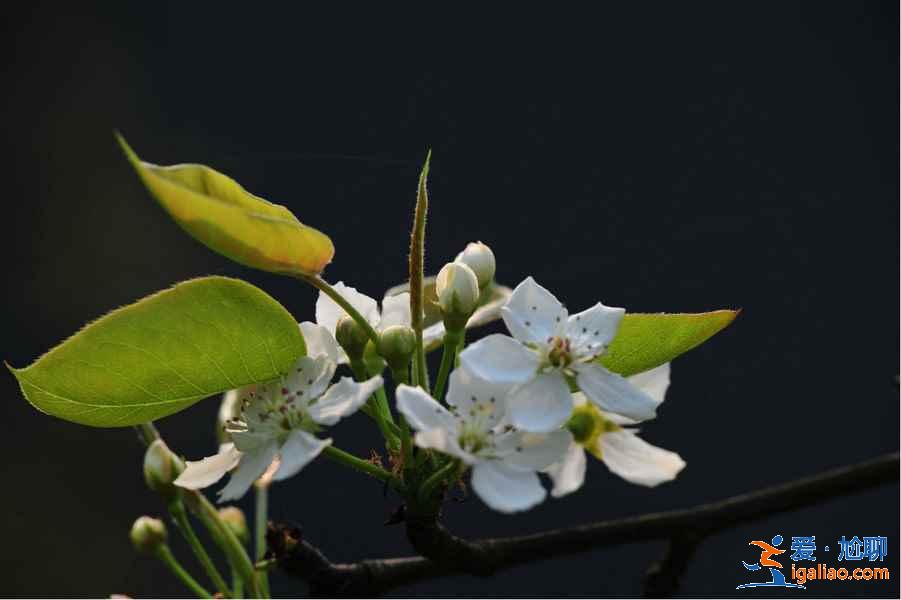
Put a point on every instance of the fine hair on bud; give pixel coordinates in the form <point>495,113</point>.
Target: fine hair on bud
<point>480,258</point>
<point>147,534</point>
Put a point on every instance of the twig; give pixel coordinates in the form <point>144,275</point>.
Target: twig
<point>454,555</point>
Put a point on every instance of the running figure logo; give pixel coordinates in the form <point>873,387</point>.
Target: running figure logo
<point>777,579</point>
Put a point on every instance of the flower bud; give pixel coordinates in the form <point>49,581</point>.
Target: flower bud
<point>161,468</point>
<point>148,534</point>
<point>396,345</point>
<point>479,257</point>
<point>234,518</point>
<point>352,338</point>
<point>457,288</point>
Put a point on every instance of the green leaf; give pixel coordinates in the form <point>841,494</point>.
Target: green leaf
<point>218,212</point>
<point>645,341</point>
<point>163,353</point>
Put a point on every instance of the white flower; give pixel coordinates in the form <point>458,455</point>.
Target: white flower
<point>395,311</point>
<point>624,453</point>
<point>551,349</point>
<point>505,462</point>
<point>278,420</point>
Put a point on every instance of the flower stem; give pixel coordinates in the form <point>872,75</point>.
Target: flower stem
<point>451,347</point>
<point>261,521</point>
<point>435,479</point>
<point>165,555</point>
<point>226,538</point>
<point>364,466</point>
<point>180,516</point>
<point>237,584</point>
<point>376,405</point>
<point>322,285</point>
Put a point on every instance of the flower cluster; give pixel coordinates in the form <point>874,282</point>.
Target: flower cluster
<point>516,407</point>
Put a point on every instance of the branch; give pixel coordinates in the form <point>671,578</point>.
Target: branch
<point>453,555</point>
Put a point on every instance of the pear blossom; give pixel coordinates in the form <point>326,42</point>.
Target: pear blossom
<point>505,461</point>
<point>549,349</point>
<point>624,453</point>
<point>395,311</point>
<point>278,421</point>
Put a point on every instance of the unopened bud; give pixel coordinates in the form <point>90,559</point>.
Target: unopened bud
<point>234,518</point>
<point>458,294</point>
<point>161,468</point>
<point>352,338</point>
<point>479,257</point>
<point>396,345</point>
<point>148,534</point>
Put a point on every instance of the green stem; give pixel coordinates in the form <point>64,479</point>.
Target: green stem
<point>261,522</point>
<point>376,407</point>
<point>180,516</point>
<point>451,347</point>
<point>237,584</point>
<point>358,464</point>
<point>352,312</point>
<point>147,432</point>
<point>435,479</point>
<point>226,538</point>
<point>165,555</point>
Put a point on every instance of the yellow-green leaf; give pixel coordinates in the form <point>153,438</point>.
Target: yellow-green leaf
<point>645,341</point>
<point>163,353</point>
<point>221,214</point>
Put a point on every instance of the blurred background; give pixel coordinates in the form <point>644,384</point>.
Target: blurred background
<point>657,156</point>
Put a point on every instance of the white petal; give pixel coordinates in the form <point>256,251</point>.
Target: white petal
<point>507,489</point>
<point>542,404</point>
<point>537,451</point>
<point>533,314</point>
<point>248,441</point>
<point>475,397</point>
<point>320,340</point>
<point>569,474</point>
<point>444,441</point>
<point>637,461</point>
<point>432,334</point>
<point>343,399</point>
<point>252,465</point>
<point>297,452</point>
<point>308,378</point>
<point>500,359</point>
<point>395,310</point>
<point>613,393</point>
<point>654,383</point>
<point>421,411</point>
<point>203,473</point>
<point>592,330</point>
<point>328,313</point>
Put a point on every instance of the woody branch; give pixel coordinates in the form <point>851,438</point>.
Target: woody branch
<point>445,554</point>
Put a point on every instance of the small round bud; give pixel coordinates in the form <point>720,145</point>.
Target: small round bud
<point>148,534</point>
<point>479,257</point>
<point>234,518</point>
<point>161,468</point>
<point>372,360</point>
<point>457,289</point>
<point>352,337</point>
<point>396,345</point>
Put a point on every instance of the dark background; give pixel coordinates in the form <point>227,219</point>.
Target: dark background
<point>657,156</point>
